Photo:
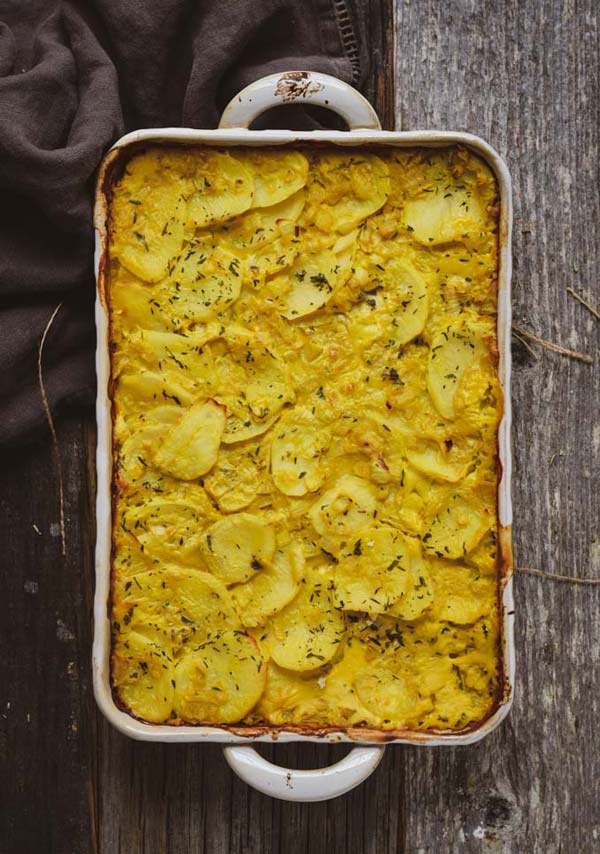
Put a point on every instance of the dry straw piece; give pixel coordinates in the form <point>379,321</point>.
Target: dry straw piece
<point>584,302</point>
<point>525,344</point>
<point>521,333</point>
<point>553,576</point>
<point>55,448</point>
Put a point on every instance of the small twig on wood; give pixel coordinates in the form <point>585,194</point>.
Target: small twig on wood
<point>567,579</point>
<point>55,447</point>
<point>584,302</point>
<point>525,344</point>
<point>550,345</point>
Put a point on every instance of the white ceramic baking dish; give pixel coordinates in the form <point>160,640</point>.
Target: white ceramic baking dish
<point>364,129</point>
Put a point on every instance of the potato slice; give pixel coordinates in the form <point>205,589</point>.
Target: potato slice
<point>271,588</point>
<point>444,215</point>
<point>152,387</point>
<point>271,258</point>
<point>478,403</point>
<point>255,382</point>
<point>308,631</point>
<point>458,525</point>
<point>133,304</point>
<point>313,278</point>
<point>434,672</point>
<point>179,605</point>
<point>446,459</point>
<point>220,681</point>
<point>452,353</point>
<point>296,451</point>
<point>147,216</point>
<point>374,572</point>
<point>277,174</point>
<point>456,705</point>
<point>268,384</point>
<point>142,674</point>
<point>162,416</point>
<point>237,477</point>
<point>390,691</point>
<point>192,446</point>
<point>128,557</point>
<point>345,508</point>
<point>346,189</point>
<point>340,698</point>
<point>237,547</point>
<point>223,188</point>
<point>200,286</point>
<point>240,429</point>
<point>290,696</point>
<point>484,556</point>
<point>463,596</point>
<point>173,351</point>
<point>261,226</point>
<point>134,457</point>
<point>169,525</point>
<point>394,309</point>
<point>318,697</point>
<point>420,595</point>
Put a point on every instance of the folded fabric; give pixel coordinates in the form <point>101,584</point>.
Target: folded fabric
<point>73,78</point>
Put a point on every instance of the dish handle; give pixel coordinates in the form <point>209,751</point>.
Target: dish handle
<point>319,784</point>
<point>306,87</point>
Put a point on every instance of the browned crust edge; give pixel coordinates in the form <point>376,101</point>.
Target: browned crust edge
<point>109,171</point>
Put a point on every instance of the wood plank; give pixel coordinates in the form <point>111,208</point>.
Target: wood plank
<point>375,31</point>
<point>526,76</point>
<point>48,716</point>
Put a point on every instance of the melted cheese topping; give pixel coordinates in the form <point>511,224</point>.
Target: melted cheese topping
<point>306,403</point>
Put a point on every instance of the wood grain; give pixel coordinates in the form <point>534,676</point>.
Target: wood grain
<point>526,77</point>
<point>47,713</point>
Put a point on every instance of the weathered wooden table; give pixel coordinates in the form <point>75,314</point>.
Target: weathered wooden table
<point>525,76</point>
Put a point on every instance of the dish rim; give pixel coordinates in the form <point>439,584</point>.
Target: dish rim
<point>123,721</point>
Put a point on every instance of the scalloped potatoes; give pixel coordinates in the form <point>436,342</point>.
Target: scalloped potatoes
<point>305,407</point>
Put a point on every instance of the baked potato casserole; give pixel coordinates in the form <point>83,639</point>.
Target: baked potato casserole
<point>305,411</point>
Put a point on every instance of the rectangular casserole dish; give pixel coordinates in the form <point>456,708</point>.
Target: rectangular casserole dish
<point>364,131</point>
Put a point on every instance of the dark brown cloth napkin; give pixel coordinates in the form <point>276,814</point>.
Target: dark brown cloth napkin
<point>73,78</point>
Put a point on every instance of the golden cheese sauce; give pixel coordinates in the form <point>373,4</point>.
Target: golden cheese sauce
<point>305,403</point>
